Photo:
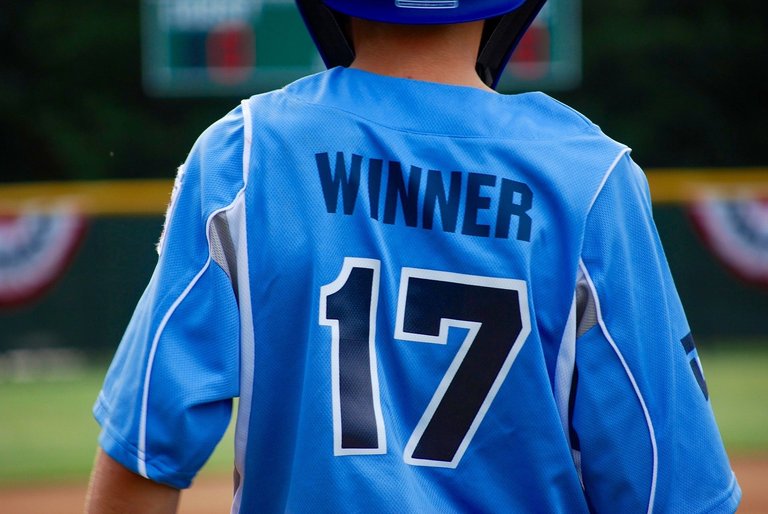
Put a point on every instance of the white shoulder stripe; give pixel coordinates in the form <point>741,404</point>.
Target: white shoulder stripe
<point>238,227</point>
<point>247,139</point>
<point>646,413</point>
<point>608,172</point>
<point>566,363</point>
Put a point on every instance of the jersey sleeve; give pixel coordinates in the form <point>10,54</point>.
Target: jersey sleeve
<point>167,397</point>
<point>644,430</point>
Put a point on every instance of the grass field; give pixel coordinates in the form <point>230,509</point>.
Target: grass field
<point>47,434</point>
<point>737,378</point>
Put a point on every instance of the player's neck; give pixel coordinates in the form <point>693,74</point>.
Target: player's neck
<point>444,54</point>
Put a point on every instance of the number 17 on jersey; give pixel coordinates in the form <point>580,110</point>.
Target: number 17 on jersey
<point>494,312</point>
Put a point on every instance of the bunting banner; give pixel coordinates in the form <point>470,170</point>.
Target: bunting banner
<point>35,250</point>
<point>735,229</point>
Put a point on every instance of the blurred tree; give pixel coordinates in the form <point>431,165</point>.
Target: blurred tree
<point>684,83</point>
<point>71,101</point>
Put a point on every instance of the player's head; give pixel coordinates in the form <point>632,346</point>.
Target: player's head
<point>505,23</point>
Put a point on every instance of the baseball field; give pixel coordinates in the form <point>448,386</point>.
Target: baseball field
<point>47,436</point>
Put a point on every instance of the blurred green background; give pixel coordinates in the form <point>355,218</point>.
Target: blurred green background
<point>683,83</point>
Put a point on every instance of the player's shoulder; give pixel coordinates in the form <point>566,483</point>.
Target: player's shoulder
<point>225,131</point>
<point>213,170</point>
<point>576,149</point>
<point>304,88</point>
<point>552,118</point>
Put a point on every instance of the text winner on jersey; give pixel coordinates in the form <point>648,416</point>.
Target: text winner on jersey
<point>469,193</point>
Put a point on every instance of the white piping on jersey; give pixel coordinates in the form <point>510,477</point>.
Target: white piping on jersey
<point>239,235</point>
<point>142,443</point>
<point>608,172</point>
<point>630,376</point>
<point>244,296</point>
<point>247,351</point>
<point>566,361</point>
<point>566,357</point>
<point>247,140</point>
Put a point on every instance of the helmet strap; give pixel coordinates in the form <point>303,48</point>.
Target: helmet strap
<point>328,33</point>
<point>501,36</point>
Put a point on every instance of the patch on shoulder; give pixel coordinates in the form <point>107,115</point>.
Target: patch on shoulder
<point>171,204</point>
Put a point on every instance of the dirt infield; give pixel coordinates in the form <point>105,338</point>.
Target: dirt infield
<point>211,495</point>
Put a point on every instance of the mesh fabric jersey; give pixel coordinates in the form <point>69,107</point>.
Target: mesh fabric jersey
<point>428,298</point>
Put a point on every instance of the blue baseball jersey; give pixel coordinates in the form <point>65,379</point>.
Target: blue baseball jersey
<point>427,298</point>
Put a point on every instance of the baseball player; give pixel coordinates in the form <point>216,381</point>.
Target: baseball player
<point>427,296</point>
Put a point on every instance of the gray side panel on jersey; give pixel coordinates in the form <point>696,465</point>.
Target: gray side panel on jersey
<point>582,317</point>
<point>222,247</point>
<point>586,310</point>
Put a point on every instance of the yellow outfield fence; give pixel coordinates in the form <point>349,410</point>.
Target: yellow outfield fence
<point>686,185</point>
<point>96,198</point>
<point>151,196</point>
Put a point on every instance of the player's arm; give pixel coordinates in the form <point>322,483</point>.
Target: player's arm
<point>115,489</point>
<point>167,397</point>
<point>643,426</point>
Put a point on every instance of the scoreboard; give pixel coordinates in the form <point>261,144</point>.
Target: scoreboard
<point>549,55</point>
<point>243,47</point>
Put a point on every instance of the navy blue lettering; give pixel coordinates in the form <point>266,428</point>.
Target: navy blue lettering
<point>449,204</point>
<point>508,208</point>
<point>451,199</point>
<point>475,203</point>
<point>693,357</point>
<point>348,184</point>
<point>374,185</point>
<point>408,196</point>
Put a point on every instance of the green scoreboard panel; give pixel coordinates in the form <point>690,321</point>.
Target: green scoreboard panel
<point>242,47</point>
<point>549,55</point>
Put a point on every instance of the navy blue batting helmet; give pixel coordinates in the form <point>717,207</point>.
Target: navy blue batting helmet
<point>506,22</point>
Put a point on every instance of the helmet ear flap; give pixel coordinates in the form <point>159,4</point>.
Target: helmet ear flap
<point>500,38</point>
<point>329,32</point>
<point>501,35</point>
